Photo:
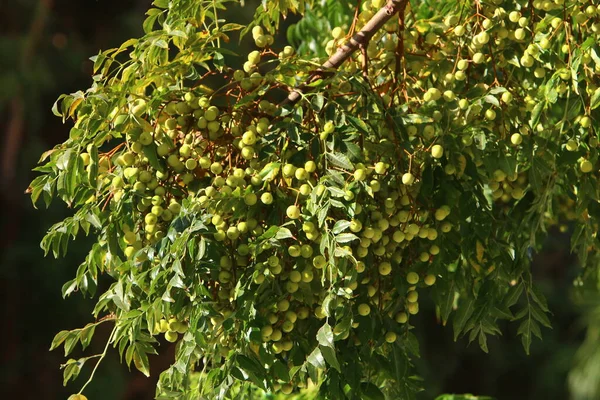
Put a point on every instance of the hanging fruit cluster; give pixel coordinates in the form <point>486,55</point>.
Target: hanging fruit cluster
<point>287,242</point>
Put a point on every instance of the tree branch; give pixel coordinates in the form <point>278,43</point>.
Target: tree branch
<point>361,38</point>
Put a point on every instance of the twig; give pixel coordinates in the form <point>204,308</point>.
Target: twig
<point>345,52</point>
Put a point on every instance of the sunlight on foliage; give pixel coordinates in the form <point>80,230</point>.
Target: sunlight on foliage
<point>285,245</point>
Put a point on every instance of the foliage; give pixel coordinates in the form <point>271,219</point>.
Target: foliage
<point>285,245</point>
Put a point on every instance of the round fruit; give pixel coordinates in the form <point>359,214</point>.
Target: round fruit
<point>380,168</point>
<point>171,336</point>
<point>507,97</point>
<point>385,268</point>
<point>401,318</point>
<point>390,337</point>
<point>585,122</point>
<point>412,278</point>
<point>490,114</point>
<point>254,57</point>
<point>516,139</point>
<point>437,151</point>
<point>429,280</point>
<point>319,262</point>
<point>266,198</point>
<point>364,309</point>
<point>293,212</point>
<point>586,166</point>
<point>408,178</point>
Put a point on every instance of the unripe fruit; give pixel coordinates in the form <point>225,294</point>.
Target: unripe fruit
<point>408,178</point>
<point>390,337</point>
<point>586,166</point>
<point>527,61</point>
<point>257,31</point>
<point>266,198</point>
<point>250,199</point>
<point>283,305</point>
<point>507,97</point>
<point>288,51</point>
<point>293,212</point>
<point>412,278</point>
<point>171,336</point>
<point>437,151</point>
<point>413,308</point>
<point>385,268</point>
<point>329,127</point>
<point>295,276</point>
<point>266,331</point>
<point>401,318</point>
<point>364,309</point>
<point>254,57</point>
<point>233,233</point>
<point>319,262</point>
<point>585,122</point>
<point>516,139</point>
<point>310,166</point>
<point>337,32</point>
<point>478,58</point>
<point>276,335</point>
<point>449,95</point>
<point>499,175</point>
<point>287,388</point>
<point>380,168</point>
<point>301,174</point>
<point>429,279</point>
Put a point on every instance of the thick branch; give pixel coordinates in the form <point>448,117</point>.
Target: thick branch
<point>361,38</point>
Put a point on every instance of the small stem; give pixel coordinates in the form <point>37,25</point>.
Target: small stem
<point>108,342</point>
<point>345,52</point>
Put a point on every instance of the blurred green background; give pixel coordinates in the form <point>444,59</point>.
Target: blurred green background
<point>45,47</point>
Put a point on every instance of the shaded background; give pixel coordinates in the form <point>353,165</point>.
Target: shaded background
<point>44,51</point>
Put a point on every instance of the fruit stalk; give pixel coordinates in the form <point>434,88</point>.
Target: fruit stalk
<point>360,39</point>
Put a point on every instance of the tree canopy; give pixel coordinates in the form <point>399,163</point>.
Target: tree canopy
<point>279,214</point>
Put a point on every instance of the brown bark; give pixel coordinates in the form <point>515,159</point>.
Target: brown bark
<point>360,39</point>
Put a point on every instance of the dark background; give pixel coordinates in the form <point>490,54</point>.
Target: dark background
<point>44,51</point>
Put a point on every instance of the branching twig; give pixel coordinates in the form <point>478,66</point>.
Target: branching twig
<point>361,38</point>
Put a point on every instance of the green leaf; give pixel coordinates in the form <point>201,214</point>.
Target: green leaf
<point>595,99</point>
<point>525,330</point>
<point>151,155</point>
<point>539,298</point>
<point>463,313</point>
<point>72,369</point>
<point>340,226</point>
<point>491,100</point>
<point>340,160</point>
<point>283,233</point>
<point>86,335</point>
<point>70,342</point>
<point>140,360</point>
<point>536,114</point>
<point>325,336</point>
<point>330,357</point>
<point>316,359</point>
<point>59,339</point>
<point>161,3</point>
<point>371,392</point>
<point>281,371</point>
<point>346,237</point>
<point>513,295</point>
